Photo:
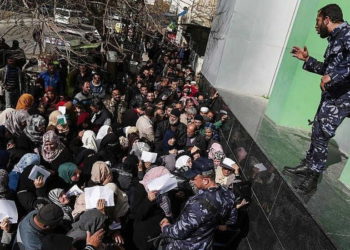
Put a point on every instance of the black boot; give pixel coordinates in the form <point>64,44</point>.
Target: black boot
<point>310,182</point>
<point>301,170</point>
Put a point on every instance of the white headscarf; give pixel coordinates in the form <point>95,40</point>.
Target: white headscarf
<point>89,140</point>
<point>104,130</point>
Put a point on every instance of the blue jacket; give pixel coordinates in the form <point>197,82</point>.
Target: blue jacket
<point>336,61</point>
<point>201,215</point>
<point>29,236</point>
<point>52,81</point>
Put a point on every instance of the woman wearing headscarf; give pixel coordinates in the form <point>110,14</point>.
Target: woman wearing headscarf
<point>16,121</point>
<point>101,174</point>
<point>4,114</point>
<point>145,211</point>
<point>102,132</point>
<point>32,135</point>
<point>25,101</point>
<point>89,140</point>
<point>126,172</point>
<point>53,151</point>
<point>69,173</point>
<point>32,194</point>
<point>59,197</point>
<point>53,118</point>
<point>110,149</point>
<point>60,126</point>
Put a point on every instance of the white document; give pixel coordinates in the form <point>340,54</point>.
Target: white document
<point>163,183</point>
<point>74,191</point>
<point>148,157</point>
<point>62,109</point>
<point>228,162</point>
<point>37,172</point>
<point>8,210</point>
<point>261,167</point>
<point>93,194</point>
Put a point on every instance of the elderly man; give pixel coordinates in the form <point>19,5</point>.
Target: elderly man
<point>171,128</point>
<point>202,213</point>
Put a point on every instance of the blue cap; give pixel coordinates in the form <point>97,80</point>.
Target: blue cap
<point>201,166</point>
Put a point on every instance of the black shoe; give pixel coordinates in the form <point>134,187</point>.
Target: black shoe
<point>301,170</point>
<point>310,182</point>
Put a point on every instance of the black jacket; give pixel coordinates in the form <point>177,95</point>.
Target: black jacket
<point>180,134</point>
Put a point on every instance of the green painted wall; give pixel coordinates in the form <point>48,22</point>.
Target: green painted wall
<point>296,93</point>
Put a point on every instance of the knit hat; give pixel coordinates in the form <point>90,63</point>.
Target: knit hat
<point>176,112</point>
<point>50,215</point>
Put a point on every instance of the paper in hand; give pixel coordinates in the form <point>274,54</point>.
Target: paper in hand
<point>62,109</point>
<point>260,166</point>
<point>163,183</point>
<point>93,194</point>
<point>38,172</point>
<point>8,210</point>
<point>74,191</point>
<point>148,157</point>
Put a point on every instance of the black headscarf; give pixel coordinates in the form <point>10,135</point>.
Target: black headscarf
<point>110,149</point>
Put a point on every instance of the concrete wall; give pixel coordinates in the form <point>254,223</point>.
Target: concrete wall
<point>246,43</point>
<point>296,93</point>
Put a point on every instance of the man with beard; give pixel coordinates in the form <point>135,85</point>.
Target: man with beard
<point>335,85</point>
<point>116,105</point>
<point>171,128</point>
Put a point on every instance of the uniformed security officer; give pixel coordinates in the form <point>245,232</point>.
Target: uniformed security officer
<point>212,206</point>
<point>335,85</point>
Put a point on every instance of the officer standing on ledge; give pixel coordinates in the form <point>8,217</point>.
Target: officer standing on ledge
<point>212,207</point>
<point>335,86</point>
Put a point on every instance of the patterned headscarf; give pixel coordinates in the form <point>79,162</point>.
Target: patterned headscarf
<point>26,160</point>
<point>48,154</point>
<point>32,128</point>
<point>66,171</point>
<point>25,102</point>
<point>15,120</point>
<point>99,172</point>
<point>54,196</point>
<point>89,140</point>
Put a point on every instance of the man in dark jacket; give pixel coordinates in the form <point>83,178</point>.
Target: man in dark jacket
<point>11,82</point>
<point>100,115</point>
<point>171,128</point>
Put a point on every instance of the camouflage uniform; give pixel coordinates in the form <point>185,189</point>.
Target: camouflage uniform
<point>202,213</point>
<point>335,101</point>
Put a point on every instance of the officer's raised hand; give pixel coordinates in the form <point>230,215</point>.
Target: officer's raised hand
<point>301,54</point>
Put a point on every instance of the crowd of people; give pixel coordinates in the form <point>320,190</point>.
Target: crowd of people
<point>121,140</point>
